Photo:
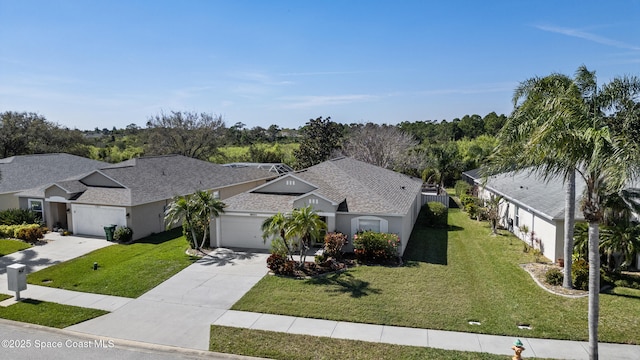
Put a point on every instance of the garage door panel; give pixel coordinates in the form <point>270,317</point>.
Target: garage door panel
<point>242,232</point>
<point>91,219</point>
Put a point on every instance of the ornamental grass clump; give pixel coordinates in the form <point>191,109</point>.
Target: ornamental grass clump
<point>374,247</point>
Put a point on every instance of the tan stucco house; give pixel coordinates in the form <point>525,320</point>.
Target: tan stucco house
<point>350,195</point>
<point>135,193</point>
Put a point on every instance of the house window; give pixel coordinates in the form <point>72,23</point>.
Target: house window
<point>313,201</point>
<point>290,182</point>
<point>216,194</point>
<point>369,224</point>
<point>37,206</point>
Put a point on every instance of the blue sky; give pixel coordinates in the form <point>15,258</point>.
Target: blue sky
<point>87,64</point>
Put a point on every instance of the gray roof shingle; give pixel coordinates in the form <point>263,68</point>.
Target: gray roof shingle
<point>366,188</point>
<point>33,171</point>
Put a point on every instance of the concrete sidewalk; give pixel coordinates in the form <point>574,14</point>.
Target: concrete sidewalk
<point>449,340</point>
<point>179,311</point>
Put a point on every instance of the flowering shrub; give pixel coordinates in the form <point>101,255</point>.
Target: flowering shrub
<point>376,247</point>
<point>333,243</point>
<point>280,265</point>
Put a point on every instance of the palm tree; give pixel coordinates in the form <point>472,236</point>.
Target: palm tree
<point>207,206</point>
<point>274,227</point>
<point>306,225</point>
<point>606,160</point>
<point>555,102</point>
<point>559,129</point>
<point>195,211</point>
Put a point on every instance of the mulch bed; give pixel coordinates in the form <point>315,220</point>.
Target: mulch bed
<point>537,272</point>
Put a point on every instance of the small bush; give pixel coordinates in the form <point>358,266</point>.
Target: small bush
<point>554,277</point>
<point>123,234</point>
<point>30,234</point>
<point>580,275</point>
<point>435,214</point>
<point>19,217</point>
<point>275,262</point>
<point>462,188</point>
<point>333,243</point>
<point>289,268</point>
<point>376,247</point>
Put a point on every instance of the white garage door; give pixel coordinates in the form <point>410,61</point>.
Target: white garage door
<point>91,219</point>
<point>242,232</point>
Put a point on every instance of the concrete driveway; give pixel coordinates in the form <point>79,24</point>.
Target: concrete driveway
<point>180,311</point>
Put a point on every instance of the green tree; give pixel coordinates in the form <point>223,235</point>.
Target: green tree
<point>274,228</point>
<point>319,139</point>
<point>562,128</point>
<point>195,212</point>
<point>191,134</point>
<point>305,225</point>
<point>441,163</point>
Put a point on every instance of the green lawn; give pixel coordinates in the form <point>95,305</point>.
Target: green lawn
<point>276,345</point>
<point>8,246</point>
<point>450,277</point>
<point>123,270</point>
<point>46,313</point>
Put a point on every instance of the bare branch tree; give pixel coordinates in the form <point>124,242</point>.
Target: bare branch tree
<point>382,145</point>
<point>191,134</point>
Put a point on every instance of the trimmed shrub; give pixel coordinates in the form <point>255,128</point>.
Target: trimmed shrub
<point>462,187</point>
<point>29,232</point>
<point>580,275</point>
<point>376,247</point>
<point>554,277</point>
<point>19,217</point>
<point>123,234</point>
<point>333,243</point>
<point>435,214</point>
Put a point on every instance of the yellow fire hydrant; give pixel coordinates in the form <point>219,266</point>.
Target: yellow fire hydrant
<point>518,348</point>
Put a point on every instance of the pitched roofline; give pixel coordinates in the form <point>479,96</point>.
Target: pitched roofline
<point>521,204</point>
<point>103,174</point>
<point>278,178</point>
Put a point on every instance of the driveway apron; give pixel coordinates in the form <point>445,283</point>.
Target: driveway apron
<point>180,311</point>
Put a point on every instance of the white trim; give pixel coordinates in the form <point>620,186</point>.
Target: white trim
<point>384,223</point>
<point>41,201</point>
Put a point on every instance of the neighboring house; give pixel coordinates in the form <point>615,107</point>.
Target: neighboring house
<point>136,192</point>
<point>19,173</point>
<point>278,168</point>
<point>348,194</point>
<point>535,203</point>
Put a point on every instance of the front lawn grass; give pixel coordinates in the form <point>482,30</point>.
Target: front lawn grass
<point>123,270</point>
<point>48,314</point>
<point>277,345</point>
<point>8,246</point>
<point>451,276</point>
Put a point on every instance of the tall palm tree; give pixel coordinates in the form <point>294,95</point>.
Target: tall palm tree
<point>555,102</point>
<point>306,225</point>
<point>560,127</point>
<point>606,159</point>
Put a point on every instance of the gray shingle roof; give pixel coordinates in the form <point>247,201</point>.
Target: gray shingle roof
<point>33,171</point>
<point>150,179</point>
<point>366,188</point>
<point>532,191</point>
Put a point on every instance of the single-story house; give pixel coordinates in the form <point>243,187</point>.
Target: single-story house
<point>528,200</point>
<point>19,173</point>
<point>350,195</point>
<point>136,192</point>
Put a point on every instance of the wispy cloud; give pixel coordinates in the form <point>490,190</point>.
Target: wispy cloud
<point>587,36</point>
<point>298,102</point>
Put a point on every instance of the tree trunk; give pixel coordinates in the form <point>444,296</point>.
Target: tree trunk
<point>569,225</point>
<point>594,289</point>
